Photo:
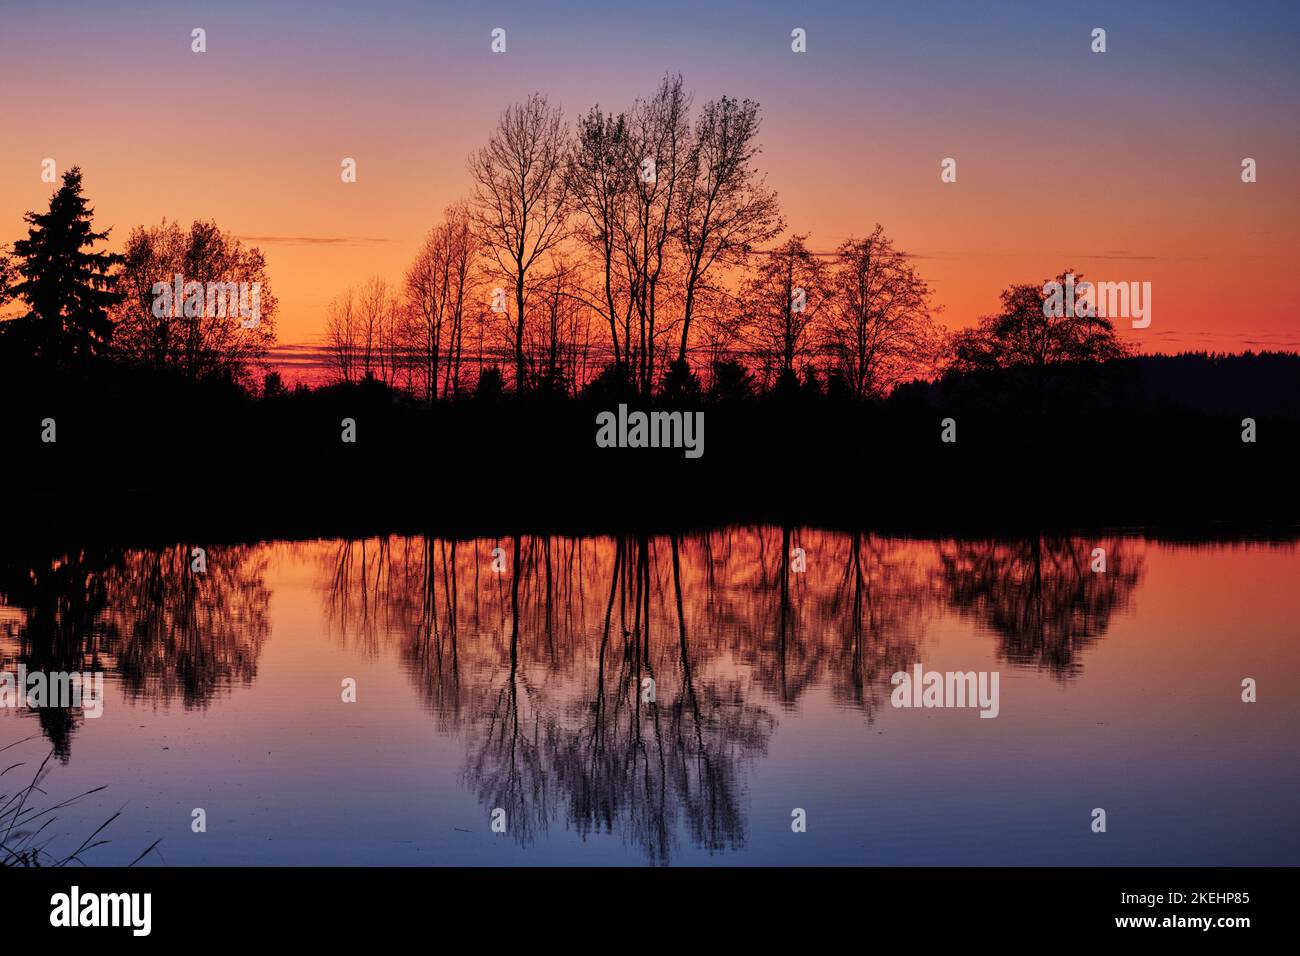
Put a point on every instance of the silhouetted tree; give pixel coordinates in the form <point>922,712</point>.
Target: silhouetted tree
<point>206,333</point>
<point>273,385</point>
<point>367,333</point>
<point>520,205</point>
<point>1026,332</point>
<point>562,336</point>
<point>8,276</point>
<point>438,287</point>
<point>725,209</point>
<point>68,289</point>
<point>680,382</point>
<point>731,382</point>
<point>878,325</point>
<point>491,384</point>
<point>600,177</point>
<point>384,321</point>
<point>343,337</point>
<point>781,299</point>
<point>659,145</point>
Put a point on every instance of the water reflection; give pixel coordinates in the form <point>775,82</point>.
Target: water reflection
<point>624,685</point>
<point>164,631</point>
<point>1041,596</point>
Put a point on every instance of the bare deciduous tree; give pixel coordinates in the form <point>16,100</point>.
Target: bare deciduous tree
<point>781,300</point>
<point>659,144</point>
<point>341,335</point>
<point>520,203</point>
<point>563,335</point>
<point>879,327</point>
<point>601,177</point>
<point>367,333</point>
<point>725,208</point>
<point>437,287</point>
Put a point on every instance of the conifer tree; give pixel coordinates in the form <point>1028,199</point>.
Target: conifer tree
<point>67,287</point>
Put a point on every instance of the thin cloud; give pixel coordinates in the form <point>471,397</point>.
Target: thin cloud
<point>313,240</point>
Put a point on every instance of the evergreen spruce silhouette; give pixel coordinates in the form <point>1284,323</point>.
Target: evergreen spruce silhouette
<point>67,287</point>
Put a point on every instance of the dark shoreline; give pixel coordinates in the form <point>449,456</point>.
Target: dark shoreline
<point>1254,504</point>
<point>1151,444</point>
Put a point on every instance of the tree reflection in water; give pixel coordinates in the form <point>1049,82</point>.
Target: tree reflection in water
<point>546,671</point>
<point>166,632</point>
<point>1040,596</point>
<point>544,668</point>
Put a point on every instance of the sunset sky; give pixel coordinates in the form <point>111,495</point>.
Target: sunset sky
<point>1125,165</point>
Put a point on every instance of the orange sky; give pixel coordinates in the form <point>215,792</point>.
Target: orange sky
<point>1123,165</point>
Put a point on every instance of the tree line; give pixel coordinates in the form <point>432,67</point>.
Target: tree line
<point>635,247</point>
<point>643,248</point>
<point>78,306</point>
<point>640,250</point>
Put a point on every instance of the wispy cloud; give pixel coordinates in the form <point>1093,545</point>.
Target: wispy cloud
<point>314,240</point>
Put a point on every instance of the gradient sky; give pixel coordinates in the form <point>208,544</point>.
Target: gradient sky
<point>1123,165</point>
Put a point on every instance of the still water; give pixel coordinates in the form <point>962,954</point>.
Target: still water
<point>513,675</point>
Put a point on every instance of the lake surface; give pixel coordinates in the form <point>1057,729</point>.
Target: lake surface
<point>523,690</point>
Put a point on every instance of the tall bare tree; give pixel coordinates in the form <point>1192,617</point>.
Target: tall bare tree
<point>725,208</point>
<point>601,178</point>
<point>372,308</point>
<point>520,201</point>
<point>465,252</point>
<point>659,144</point>
<point>437,287</point>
